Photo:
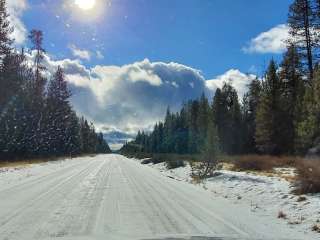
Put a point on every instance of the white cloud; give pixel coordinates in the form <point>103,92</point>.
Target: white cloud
<point>129,97</point>
<point>99,55</point>
<point>80,53</point>
<point>236,78</point>
<point>271,41</point>
<point>16,9</point>
<point>125,99</point>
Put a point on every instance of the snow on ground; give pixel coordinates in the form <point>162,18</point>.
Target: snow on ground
<point>112,197</point>
<point>10,176</point>
<point>263,195</point>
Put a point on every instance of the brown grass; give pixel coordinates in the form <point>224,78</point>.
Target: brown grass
<point>308,177</point>
<point>17,163</point>
<point>20,163</point>
<point>262,162</point>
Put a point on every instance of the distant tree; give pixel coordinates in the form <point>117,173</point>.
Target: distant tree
<point>203,119</point>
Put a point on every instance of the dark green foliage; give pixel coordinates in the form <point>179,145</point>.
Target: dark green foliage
<point>250,103</point>
<point>36,118</point>
<point>302,22</point>
<point>227,118</point>
<point>209,153</point>
<point>267,116</point>
<point>5,32</point>
<point>292,91</point>
<point>184,132</point>
<point>280,113</point>
<point>308,128</point>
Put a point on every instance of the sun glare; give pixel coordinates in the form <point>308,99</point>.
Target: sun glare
<point>85,4</point>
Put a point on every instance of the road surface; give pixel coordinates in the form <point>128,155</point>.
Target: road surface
<point>112,197</point>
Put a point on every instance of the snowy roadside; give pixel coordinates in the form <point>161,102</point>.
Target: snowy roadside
<point>10,176</point>
<point>265,196</point>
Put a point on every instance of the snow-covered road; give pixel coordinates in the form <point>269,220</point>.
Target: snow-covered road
<point>112,197</point>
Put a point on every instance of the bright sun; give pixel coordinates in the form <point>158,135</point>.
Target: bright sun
<point>85,4</point>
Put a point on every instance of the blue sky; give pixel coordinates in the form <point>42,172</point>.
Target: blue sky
<point>205,34</point>
<point>127,60</point>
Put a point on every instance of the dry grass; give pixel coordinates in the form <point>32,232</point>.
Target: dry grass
<point>24,163</point>
<point>308,177</point>
<point>262,162</point>
<point>18,163</point>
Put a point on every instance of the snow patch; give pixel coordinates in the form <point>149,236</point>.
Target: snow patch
<point>265,196</point>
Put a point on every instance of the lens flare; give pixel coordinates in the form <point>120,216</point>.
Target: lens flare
<point>85,4</point>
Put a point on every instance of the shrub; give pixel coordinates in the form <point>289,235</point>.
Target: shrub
<point>146,161</point>
<point>172,160</point>
<point>281,214</point>
<point>308,177</point>
<point>167,157</point>
<point>301,199</point>
<point>175,163</point>
<point>316,228</point>
<point>262,162</point>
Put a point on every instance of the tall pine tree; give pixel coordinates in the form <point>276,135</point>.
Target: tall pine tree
<point>267,116</point>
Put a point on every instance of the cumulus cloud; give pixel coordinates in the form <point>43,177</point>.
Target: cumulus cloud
<point>121,100</point>
<point>80,53</point>
<point>99,55</point>
<point>236,78</point>
<point>70,66</point>
<point>16,9</point>
<point>271,41</point>
<point>134,96</point>
<point>124,99</point>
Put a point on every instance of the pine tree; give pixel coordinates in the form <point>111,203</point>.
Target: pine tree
<point>302,24</point>
<point>6,57</point>
<point>203,119</point>
<point>58,113</point>
<point>193,137</point>
<point>227,117</point>
<point>73,139</point>
<point>209,154</point>
<point>267,116</point>
<point>308,130</point>
<point>35,91</point>
<point>249,110</point>
<point>5,33</point>
<point>292,91</point>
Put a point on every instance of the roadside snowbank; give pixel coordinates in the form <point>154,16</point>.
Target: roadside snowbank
<point>263,195</point>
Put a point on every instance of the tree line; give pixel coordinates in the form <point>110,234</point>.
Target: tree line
<point>36,116</point>
<point>280,113</point>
